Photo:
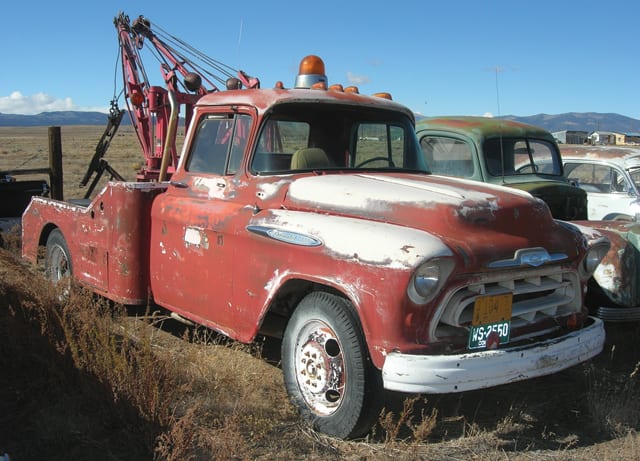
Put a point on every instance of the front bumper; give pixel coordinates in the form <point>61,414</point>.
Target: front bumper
<point>441,374</point>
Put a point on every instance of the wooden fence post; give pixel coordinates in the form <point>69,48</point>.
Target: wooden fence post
<point>55,163</point>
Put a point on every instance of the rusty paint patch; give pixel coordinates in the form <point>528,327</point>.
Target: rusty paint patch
<point>195,237</point>
<point>617,274</point>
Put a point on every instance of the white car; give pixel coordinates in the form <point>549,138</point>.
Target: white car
<point>611,177</point>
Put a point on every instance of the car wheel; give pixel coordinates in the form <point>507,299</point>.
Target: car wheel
<point>327,371</point>
<point>58,259</point>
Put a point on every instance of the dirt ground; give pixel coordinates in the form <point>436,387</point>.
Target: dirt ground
<point>589,412</point>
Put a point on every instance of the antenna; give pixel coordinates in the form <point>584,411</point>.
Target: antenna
<point>239,41</point>
<point>497,70</point>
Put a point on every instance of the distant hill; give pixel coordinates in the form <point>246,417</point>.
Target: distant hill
<point>585,121</point>
<point>61,118</point>
<point>578,121</point>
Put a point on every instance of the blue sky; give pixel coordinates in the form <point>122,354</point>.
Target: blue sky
<point>464,57</point>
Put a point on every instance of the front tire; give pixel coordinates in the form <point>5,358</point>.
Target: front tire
<point>57,264</point>
<point>327,371</point>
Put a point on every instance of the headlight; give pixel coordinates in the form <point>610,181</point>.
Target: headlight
<point>593,257</point>
<point>427,280</point>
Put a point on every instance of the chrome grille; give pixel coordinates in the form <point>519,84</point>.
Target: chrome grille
<point>537,295</point>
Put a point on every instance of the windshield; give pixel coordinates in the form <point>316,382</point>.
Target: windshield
<point>335,137</point>
<point>514,156</point>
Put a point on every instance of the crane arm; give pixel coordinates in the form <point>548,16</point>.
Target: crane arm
<point>151,107</point>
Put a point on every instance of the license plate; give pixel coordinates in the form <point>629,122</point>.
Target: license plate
<point>491,324</point>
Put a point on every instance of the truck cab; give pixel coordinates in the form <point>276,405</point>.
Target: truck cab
<point>502,152</point>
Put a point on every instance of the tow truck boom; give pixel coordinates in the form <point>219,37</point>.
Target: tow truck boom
<point>155,110</point>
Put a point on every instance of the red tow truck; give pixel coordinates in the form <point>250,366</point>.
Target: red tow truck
<point>308,213</point>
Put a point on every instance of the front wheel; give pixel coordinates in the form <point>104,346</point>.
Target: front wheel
<point>326,367</point>
<point>57,264</point>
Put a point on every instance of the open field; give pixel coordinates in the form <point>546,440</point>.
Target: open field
<point>28,147</point>
<point>85,380</point>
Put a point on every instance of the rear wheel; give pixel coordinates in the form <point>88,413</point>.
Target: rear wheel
<point>326,368</point>
<point>57,263</point>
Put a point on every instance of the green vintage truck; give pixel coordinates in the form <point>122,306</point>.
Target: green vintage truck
<point>527,157</point>
<point>502,152</point>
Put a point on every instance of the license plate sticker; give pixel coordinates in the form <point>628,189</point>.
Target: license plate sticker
<point>491,324</point>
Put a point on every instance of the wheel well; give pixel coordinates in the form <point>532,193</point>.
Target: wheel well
<point>285,301</point>
<point>44,235</point>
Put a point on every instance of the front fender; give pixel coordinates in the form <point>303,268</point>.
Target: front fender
<point>371,262</point>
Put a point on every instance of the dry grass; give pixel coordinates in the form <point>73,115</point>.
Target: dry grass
<point>85,379</point>
<point>28,148</point>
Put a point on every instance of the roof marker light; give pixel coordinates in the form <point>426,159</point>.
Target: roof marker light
<point>352,89</point>
<point>383,95</point>
<point>310,72</point>
<point>336,87</point>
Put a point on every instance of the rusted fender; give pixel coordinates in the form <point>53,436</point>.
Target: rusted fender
<point>619,272</point>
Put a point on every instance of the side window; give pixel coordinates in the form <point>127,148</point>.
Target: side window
<point>210,145</point>
<point>590,177</point>
<point>635,178</point>
<point>239,144</point>
<point>447,156</point>
<point>219,137</point>
<point>618,182</point>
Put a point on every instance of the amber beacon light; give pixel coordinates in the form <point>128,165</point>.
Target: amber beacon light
<point>311,73</point>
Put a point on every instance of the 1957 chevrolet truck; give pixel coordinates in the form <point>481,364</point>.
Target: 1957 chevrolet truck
<point>310,214</point>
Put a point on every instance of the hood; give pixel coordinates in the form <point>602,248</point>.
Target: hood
<point>479,220</point>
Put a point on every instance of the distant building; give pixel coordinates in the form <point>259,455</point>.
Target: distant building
<point>632,138</point>
<point>599,137</point>
<point>603,138</point>
<point>571,137</point>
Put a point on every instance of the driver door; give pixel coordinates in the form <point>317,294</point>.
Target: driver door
<point>195,221</point>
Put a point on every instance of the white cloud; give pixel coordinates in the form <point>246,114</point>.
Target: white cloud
<point>357,79</point>
<point>17,103</point>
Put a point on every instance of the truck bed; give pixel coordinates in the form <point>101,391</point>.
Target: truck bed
<point>107,237</point>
